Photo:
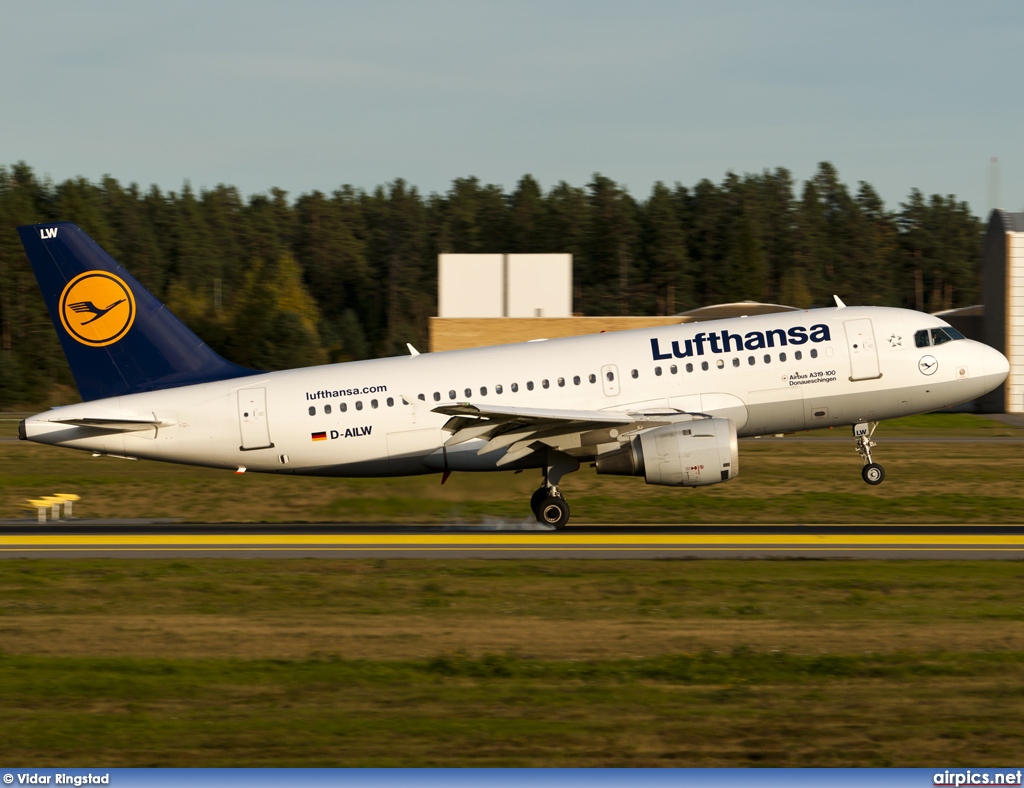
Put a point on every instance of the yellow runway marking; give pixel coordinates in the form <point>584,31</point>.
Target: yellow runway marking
<point>385,548</point>
<point>511,540</point>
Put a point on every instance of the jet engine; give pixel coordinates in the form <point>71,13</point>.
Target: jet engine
<point>684,454</point>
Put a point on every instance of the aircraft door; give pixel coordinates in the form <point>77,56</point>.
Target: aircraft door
<point>252,418</point>
<point>610,380</point>
<point>860,342</point>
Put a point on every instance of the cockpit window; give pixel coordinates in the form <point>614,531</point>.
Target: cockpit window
<point>939,336</point>
<point>936,336</point>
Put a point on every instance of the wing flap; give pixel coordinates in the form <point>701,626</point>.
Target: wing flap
<point>533,414</point>
<point>523,430</point>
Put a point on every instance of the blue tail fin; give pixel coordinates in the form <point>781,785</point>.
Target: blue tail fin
<point>118,338</point>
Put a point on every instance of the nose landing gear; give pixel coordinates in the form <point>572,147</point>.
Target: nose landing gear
<point>872,472</point>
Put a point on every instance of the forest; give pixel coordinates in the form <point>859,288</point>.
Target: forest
<point>273,281</point>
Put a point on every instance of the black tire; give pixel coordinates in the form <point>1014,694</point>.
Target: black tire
<point>553,511</point>
<point>873,473</point>
<point>539,495</point>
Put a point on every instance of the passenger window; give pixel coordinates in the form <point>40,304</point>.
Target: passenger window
<point>720,364</point>
<point>657,371</point>
<point>359,404</point>
<point>561,382</point>
<point>529,385</point>
<point>750,360</point>
<point>343,407</point>
<point>610,375</point>
<point>736,361</point>
<point>312,410</point>
<point>782,356</point>
<point>704,365</point>
<point>483,391</point>
<point>451,394</point>
<point>327,409</point>
<point>575,380</point>
<point>373,403</point>
<point>469,393</point>
<point>798,355</point>
<point>673,369</point>
<point>498,389</point>
<point>767,358</point>
<point>391,402</point>
<point>635,373</point>
<point>814,352</point>
<point>437,396</point>
<point>422,397</point>
<point>592,378</point>
<point>514,387</point>
<point>921,338</point>
<point>689,367</point>
<point>545,383</point>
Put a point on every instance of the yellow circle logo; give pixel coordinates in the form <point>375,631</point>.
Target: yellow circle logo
<point>97,308</point>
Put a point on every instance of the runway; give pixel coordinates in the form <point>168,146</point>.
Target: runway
<point>140,539</point>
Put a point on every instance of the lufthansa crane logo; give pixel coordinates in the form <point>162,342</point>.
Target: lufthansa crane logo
<point>97,308</point>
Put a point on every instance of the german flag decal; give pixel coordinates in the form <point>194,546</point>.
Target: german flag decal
<point>319,436</point>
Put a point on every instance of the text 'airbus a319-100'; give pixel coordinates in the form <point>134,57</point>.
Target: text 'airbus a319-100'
<point>664,403</point>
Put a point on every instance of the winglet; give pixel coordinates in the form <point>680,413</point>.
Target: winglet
<point>412,351</point>
<point>839,302</point>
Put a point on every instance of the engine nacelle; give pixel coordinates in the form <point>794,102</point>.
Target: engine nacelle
<point>685,454</point>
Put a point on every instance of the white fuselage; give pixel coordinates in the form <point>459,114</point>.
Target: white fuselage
<point>795,371</point>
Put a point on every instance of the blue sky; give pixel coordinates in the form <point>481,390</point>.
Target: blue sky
<point>310,95</point>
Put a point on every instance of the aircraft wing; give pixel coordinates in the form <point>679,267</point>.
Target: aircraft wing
<point>524,430</point>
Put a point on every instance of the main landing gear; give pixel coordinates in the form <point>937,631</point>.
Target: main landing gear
<point>872,472</point>
<point>548,504</point>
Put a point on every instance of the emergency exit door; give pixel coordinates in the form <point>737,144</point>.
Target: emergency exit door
<point>610,380</point>
<point>252,418</point>
<point>860,341</point>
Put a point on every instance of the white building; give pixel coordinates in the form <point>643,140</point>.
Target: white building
<point>504,285</point>
<point>1003,295</point>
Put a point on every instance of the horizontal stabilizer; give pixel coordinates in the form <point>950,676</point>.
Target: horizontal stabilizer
<point>116,425</point>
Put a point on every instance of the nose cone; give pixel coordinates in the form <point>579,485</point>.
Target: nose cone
<point>988,367</point>
<point>997,366</point>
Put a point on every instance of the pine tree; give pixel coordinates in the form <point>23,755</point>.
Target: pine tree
<point>664,252</point>
<point>527,217</point>
<point>610,270</point>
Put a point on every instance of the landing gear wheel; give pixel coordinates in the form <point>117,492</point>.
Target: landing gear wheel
<point>553,511</point>
<point>873,473</point>
<point>539,495</point>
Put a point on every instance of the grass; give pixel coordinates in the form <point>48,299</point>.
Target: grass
<point>816,481</point>
<point>219,662</point>
<point>214,662</point>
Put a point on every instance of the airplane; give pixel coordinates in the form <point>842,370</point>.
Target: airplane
<point>666,403</point>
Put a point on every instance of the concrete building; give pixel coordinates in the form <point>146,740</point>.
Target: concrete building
<point>477,321</point>
<point>504,285</point>
<point>1003,295</point>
